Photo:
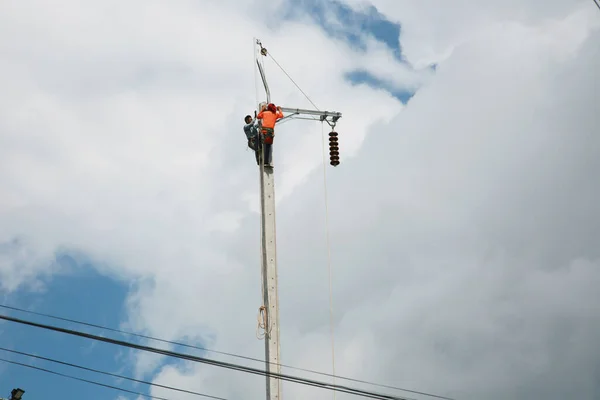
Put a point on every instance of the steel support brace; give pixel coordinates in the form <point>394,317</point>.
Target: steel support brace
<point>299,111</point>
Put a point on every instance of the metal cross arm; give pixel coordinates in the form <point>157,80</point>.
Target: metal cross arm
<point>323,115</point>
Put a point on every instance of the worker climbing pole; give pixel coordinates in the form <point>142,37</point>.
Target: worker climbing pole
<point>268,319</point>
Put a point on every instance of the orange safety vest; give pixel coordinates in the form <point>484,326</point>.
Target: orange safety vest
<point>269,118</point>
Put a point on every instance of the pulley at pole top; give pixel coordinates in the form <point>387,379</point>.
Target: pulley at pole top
<point>263,50</point>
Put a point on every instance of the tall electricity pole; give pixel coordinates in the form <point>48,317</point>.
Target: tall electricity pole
<point>269,247</point>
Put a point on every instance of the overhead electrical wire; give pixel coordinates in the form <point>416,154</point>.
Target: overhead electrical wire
<point>203,360</point>
<point>111,374</point>
<point>217,351</point>
<point>83,380</point>
<point>597,4</point>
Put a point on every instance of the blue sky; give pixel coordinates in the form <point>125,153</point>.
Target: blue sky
<point>84,294</point>
<point>352,29</point>
<point>81,294</point>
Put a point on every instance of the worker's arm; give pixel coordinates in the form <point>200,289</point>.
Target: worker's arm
<point>260,115</point>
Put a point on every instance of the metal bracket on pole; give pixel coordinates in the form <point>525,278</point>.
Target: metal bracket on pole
<point>331,117</point>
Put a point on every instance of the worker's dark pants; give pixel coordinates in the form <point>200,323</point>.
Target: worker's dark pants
<point>268,137</point>
<point>268,152</point>
<point>256,144</point>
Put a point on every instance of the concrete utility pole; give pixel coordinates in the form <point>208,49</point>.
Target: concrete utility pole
<point>269,248</point>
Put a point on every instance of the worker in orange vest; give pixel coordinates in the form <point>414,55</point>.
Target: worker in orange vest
<point>269,115</point>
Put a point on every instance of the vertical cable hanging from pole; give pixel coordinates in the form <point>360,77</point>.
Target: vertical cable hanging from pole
<point>331,322</point>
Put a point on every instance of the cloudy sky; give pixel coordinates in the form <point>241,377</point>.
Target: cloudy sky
<point>464,217</point>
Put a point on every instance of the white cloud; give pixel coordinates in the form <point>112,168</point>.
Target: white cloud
<point>430,34</point>
<point>120,127</point>
<point>464,233</point>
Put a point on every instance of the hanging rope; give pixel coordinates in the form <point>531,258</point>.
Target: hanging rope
<point>294,82</point>
<point>263,323</point>
<point>331,324</point>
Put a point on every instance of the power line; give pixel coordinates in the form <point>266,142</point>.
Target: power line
<point>83,380</point>
<point>220,352</point>
<point>597,3</point>
<point>111,374</point>
<point>203,360</point>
